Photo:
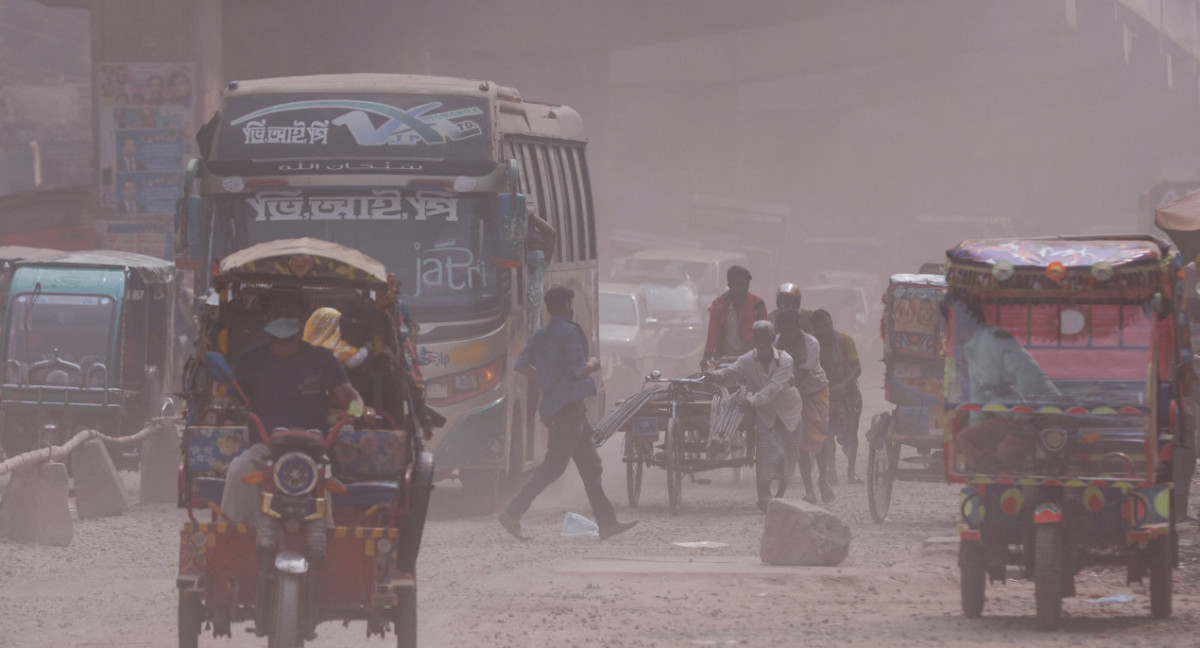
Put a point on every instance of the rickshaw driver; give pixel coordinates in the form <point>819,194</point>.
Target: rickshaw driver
<point>289,384</point>
<point>768,374</point>
<point>999,369</point>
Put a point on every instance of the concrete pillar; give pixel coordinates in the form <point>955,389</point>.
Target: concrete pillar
<point>160,466</point>
<point>34,508</point>
<point>99,490</point>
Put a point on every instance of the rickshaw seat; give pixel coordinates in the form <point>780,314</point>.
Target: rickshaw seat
<point>364,495</point>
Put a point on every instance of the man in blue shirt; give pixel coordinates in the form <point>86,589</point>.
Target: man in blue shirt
<point>557,358</point>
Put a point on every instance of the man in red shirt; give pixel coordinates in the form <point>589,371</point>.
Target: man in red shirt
<point>731,318</point>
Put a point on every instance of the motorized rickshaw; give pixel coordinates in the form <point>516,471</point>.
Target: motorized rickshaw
<point>1067,362</point>
<point>87,343</point>
<point>913,332</point>
<point>374,473</point>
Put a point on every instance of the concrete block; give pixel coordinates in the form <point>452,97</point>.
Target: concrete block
<point>34,508</point>
<point>99,491</point>
<point>160,466</point>
<point>799,533</point>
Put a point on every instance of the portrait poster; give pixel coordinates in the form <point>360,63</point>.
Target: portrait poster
<point>145,109</point>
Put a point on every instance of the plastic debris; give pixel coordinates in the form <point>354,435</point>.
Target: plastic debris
<point>701,544</point>
<point>1115,598</point>
<point>575,525</point>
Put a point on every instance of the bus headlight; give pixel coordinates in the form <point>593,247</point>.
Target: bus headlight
<point>461,386</point>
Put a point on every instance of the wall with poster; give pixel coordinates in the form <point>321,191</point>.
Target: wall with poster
<point>145,121</point>
<point>149,237</point>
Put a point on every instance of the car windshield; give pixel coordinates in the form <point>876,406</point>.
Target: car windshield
<point>671,303</point>
<point>617,308</point>
<point>78,328</point>
<point>704,275</point>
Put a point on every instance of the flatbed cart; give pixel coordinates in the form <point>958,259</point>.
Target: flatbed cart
<point>684,426</point>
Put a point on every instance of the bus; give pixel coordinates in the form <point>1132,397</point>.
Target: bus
<point>414,171</point>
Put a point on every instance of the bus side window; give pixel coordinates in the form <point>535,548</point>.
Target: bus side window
<point>589,217</point>
<point>561,205</point>
<point>578,213</point>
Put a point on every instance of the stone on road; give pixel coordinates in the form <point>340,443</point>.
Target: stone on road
<point>799,533</point>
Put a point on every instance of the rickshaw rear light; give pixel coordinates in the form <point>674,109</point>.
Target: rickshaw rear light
<point>254,479</point>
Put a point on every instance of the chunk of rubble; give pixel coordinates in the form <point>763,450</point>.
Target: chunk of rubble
<point>799,533</point>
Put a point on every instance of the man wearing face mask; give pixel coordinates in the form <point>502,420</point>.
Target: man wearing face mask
<point>767,374</point>
<point>290,384</point>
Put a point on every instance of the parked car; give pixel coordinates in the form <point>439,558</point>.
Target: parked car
<point>705,268</point>
<point>649,323</point>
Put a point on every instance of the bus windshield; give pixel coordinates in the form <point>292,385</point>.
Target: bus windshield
<point>438,245</point>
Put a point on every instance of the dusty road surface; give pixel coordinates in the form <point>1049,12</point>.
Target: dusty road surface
<point>478,587</point>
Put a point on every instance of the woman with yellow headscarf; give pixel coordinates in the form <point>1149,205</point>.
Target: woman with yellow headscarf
<point>324,329</point>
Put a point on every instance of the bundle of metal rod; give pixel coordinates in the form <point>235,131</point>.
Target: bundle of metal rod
<point>629,408</point>
<point>725,416</point>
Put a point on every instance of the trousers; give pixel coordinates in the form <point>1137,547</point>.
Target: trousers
<point>570,437</point>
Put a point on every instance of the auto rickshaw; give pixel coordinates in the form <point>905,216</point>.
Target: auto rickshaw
<point>1067,362</point>
<point>376,476</point>
<point>87,343</point>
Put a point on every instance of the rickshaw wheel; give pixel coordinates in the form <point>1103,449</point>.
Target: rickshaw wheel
<point>285,630</point>
<point>191,619</point>
<point>633,471</point>
<point>674,464</point>
<point>1047,577</point>
<point>879,481</point>
<point>972,568</point>
<point>1161,580</point>
<point>406,617</point>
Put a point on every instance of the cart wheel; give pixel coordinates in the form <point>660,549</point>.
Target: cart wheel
<point>973,576</point>
<point>1160,559</point>
<point>879,481</point>
<point>674,463</point>
<point>406,617</point>
<point>191,619</point>
<point>633,471</point>
<point>1047,576</point>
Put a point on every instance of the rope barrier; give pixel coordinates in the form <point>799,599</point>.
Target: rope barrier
<point>57,453</point>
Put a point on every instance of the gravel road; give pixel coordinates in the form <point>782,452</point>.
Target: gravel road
<point>114,586</point>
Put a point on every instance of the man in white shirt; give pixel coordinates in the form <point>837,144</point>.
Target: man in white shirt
<point>767,374</point>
